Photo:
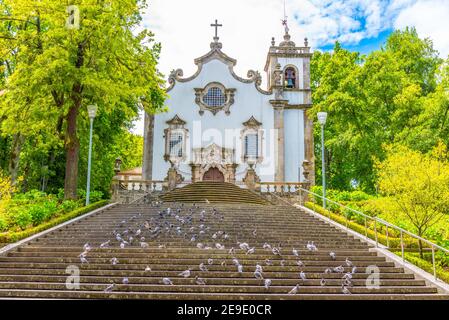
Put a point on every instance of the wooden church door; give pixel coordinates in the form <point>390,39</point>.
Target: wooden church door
<point>213,174</point>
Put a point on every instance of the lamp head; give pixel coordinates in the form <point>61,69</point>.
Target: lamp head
<point>322,116</point>
<point>92,111</point>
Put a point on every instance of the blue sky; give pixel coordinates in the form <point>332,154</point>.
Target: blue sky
<point>365,46</point>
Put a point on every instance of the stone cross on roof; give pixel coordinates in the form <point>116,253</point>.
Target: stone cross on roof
<point>216,25</point>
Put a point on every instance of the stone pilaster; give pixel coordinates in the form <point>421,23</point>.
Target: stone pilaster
<point>148,135</point>
<point>309,154</point>
<point>278,109</point>
<point>306,80</point>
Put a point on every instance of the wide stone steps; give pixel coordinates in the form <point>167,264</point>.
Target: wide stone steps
<point>214,192</point>
<point>38,269</point>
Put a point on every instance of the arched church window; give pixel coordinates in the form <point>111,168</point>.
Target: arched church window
<point>214,97</point>
<point>251,145</point>
<point>290,77</point>
<point>251,136</point>
<point>175,140</point>
<point>176,144</point>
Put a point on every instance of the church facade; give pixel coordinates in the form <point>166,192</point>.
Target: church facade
<point>220,126</point>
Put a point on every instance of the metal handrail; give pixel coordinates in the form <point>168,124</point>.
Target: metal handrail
<point>387,225</point>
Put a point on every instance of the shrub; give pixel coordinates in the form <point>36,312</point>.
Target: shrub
<point>42,212</point>
<point>69,205</point>
<point>16,236</point>
<point>22,218</point>
<point>3,224</point>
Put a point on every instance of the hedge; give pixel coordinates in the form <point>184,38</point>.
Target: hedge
<point>393,242</point>
<point>10,237</point>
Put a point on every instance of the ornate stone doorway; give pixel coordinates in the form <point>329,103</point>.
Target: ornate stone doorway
<point>213,174</point>
<point>213,163</point>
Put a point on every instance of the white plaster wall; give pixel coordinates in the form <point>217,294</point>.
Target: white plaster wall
<point>248,102</point>
<point>294,142</point>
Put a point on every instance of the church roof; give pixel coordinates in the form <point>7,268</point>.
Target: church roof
<point>216,54</point>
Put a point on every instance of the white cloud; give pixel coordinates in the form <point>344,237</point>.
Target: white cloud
<point>248,25</point>
<point>431,19</point>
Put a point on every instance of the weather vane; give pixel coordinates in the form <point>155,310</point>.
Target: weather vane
<point>284,21</point>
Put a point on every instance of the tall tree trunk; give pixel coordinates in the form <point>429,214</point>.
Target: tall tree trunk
<point>72,144</point>
<point>14,158</point>
<point>72,147</point>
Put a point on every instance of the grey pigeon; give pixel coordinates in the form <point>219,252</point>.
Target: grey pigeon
<point>294,290</point>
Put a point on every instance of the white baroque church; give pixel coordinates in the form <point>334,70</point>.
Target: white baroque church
<point>220,126</point>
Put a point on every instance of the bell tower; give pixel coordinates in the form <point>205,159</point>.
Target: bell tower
<point>288,77</point>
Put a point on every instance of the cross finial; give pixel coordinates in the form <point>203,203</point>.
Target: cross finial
<point>216,25</point>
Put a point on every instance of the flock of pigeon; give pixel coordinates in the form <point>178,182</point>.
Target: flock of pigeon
<point>180,222</point>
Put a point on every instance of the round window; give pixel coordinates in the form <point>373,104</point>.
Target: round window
<point>214,97</point>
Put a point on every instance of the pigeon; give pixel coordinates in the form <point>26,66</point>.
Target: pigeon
<point>339,269</point>
<point>258,274</point>
<point>109,288</point>
<point>347,276</point>
<point>223,263</point>
<point>185,273</point>
<point>300,263</point>
<point>83,259</point>
<point>255,233</point>
<point>328,270</point>
<point>294,290</point>
<point>235,261</point>
<point>267,283</point>
<point>244,246</point>
<point>199,245</point>
<point>268,262</point>
<point>295,252</point>
<point>259,268</point>
<point>354,270</point>
<point>266,246</point>
<point>240,268</point>
<point>210,261</point>
<point>144,245</point>
<point>302,275</point>
<point>310,246</point>
<point>114,261</point>
<point>200,281</point>
<point>105,244</point>
<point>138,232</point>
<point>276,251</point>
<point>333,255</point>
<point>231,251</point>
<point>122,245</point>
<point>87,247</point>
<point>251,251</point>
<point>323,282</point>
<point>147,268</point>
<point>345,290</point>
<point>203,267</point>
<point>348,262</point>
<point>167,281</point>
<point>125,281</point>
<point>283,263</point>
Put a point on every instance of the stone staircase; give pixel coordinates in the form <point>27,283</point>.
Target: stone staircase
<point>38,268</point>
<point>214,192</point>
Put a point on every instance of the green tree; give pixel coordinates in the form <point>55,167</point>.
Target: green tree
<point>418,183</point>
<point>104,61</point>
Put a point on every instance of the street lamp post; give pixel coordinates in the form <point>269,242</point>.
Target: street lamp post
<point>322,116</point>
<point>92,111</point>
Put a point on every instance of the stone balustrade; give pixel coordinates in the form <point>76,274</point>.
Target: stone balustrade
<point>127,191</point>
